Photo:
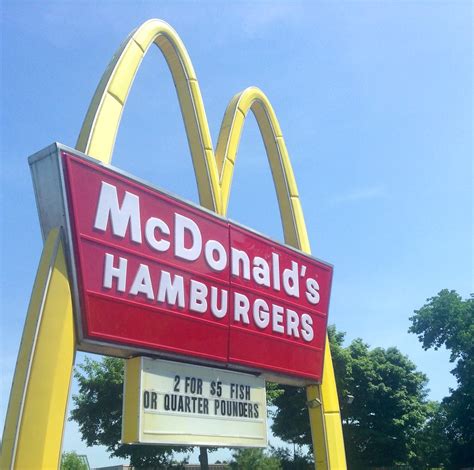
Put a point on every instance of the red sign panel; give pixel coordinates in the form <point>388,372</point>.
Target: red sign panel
<point>157,273</point>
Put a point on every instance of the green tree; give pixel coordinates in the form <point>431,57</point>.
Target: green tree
<point>98,412</point>
<point>273,390</point>
<point>448,320</point>
<point>253,459</point>
<point>431,440</point>
<point>296,460</point>
<point>388,408</point>
<point>72,461</point>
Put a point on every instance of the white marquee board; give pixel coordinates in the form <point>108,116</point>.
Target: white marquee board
<point>174,403</point>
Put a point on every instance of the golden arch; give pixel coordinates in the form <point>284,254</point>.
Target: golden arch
<point>214,172</point>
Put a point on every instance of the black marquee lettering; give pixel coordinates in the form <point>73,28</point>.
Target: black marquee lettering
<point>176,383</point>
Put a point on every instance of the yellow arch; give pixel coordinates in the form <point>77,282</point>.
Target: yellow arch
<point>37,407</point>
<point>325,419</point>
<point>285,185</point>
<point>98,132</point>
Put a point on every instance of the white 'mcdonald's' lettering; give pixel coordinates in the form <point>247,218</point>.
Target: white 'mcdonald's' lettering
<point>182,236</point>
<point>182,225</point>
<point>121,217</point>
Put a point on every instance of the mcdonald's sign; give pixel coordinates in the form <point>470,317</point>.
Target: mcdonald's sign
<point>153,273</point>
<point>36,412</point>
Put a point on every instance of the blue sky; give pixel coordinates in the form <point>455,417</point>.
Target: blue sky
<point>375,102</point>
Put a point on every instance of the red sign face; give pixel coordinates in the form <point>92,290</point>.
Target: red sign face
<point>156,273</point>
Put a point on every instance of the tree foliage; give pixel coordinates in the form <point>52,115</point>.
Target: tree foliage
<point>296,460</point>
<point>98,412</point>
<point>431,443</point>
<point>388,409</point>
<point>72,461</point>
<point>448,320</point>
<point>254,459</point>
